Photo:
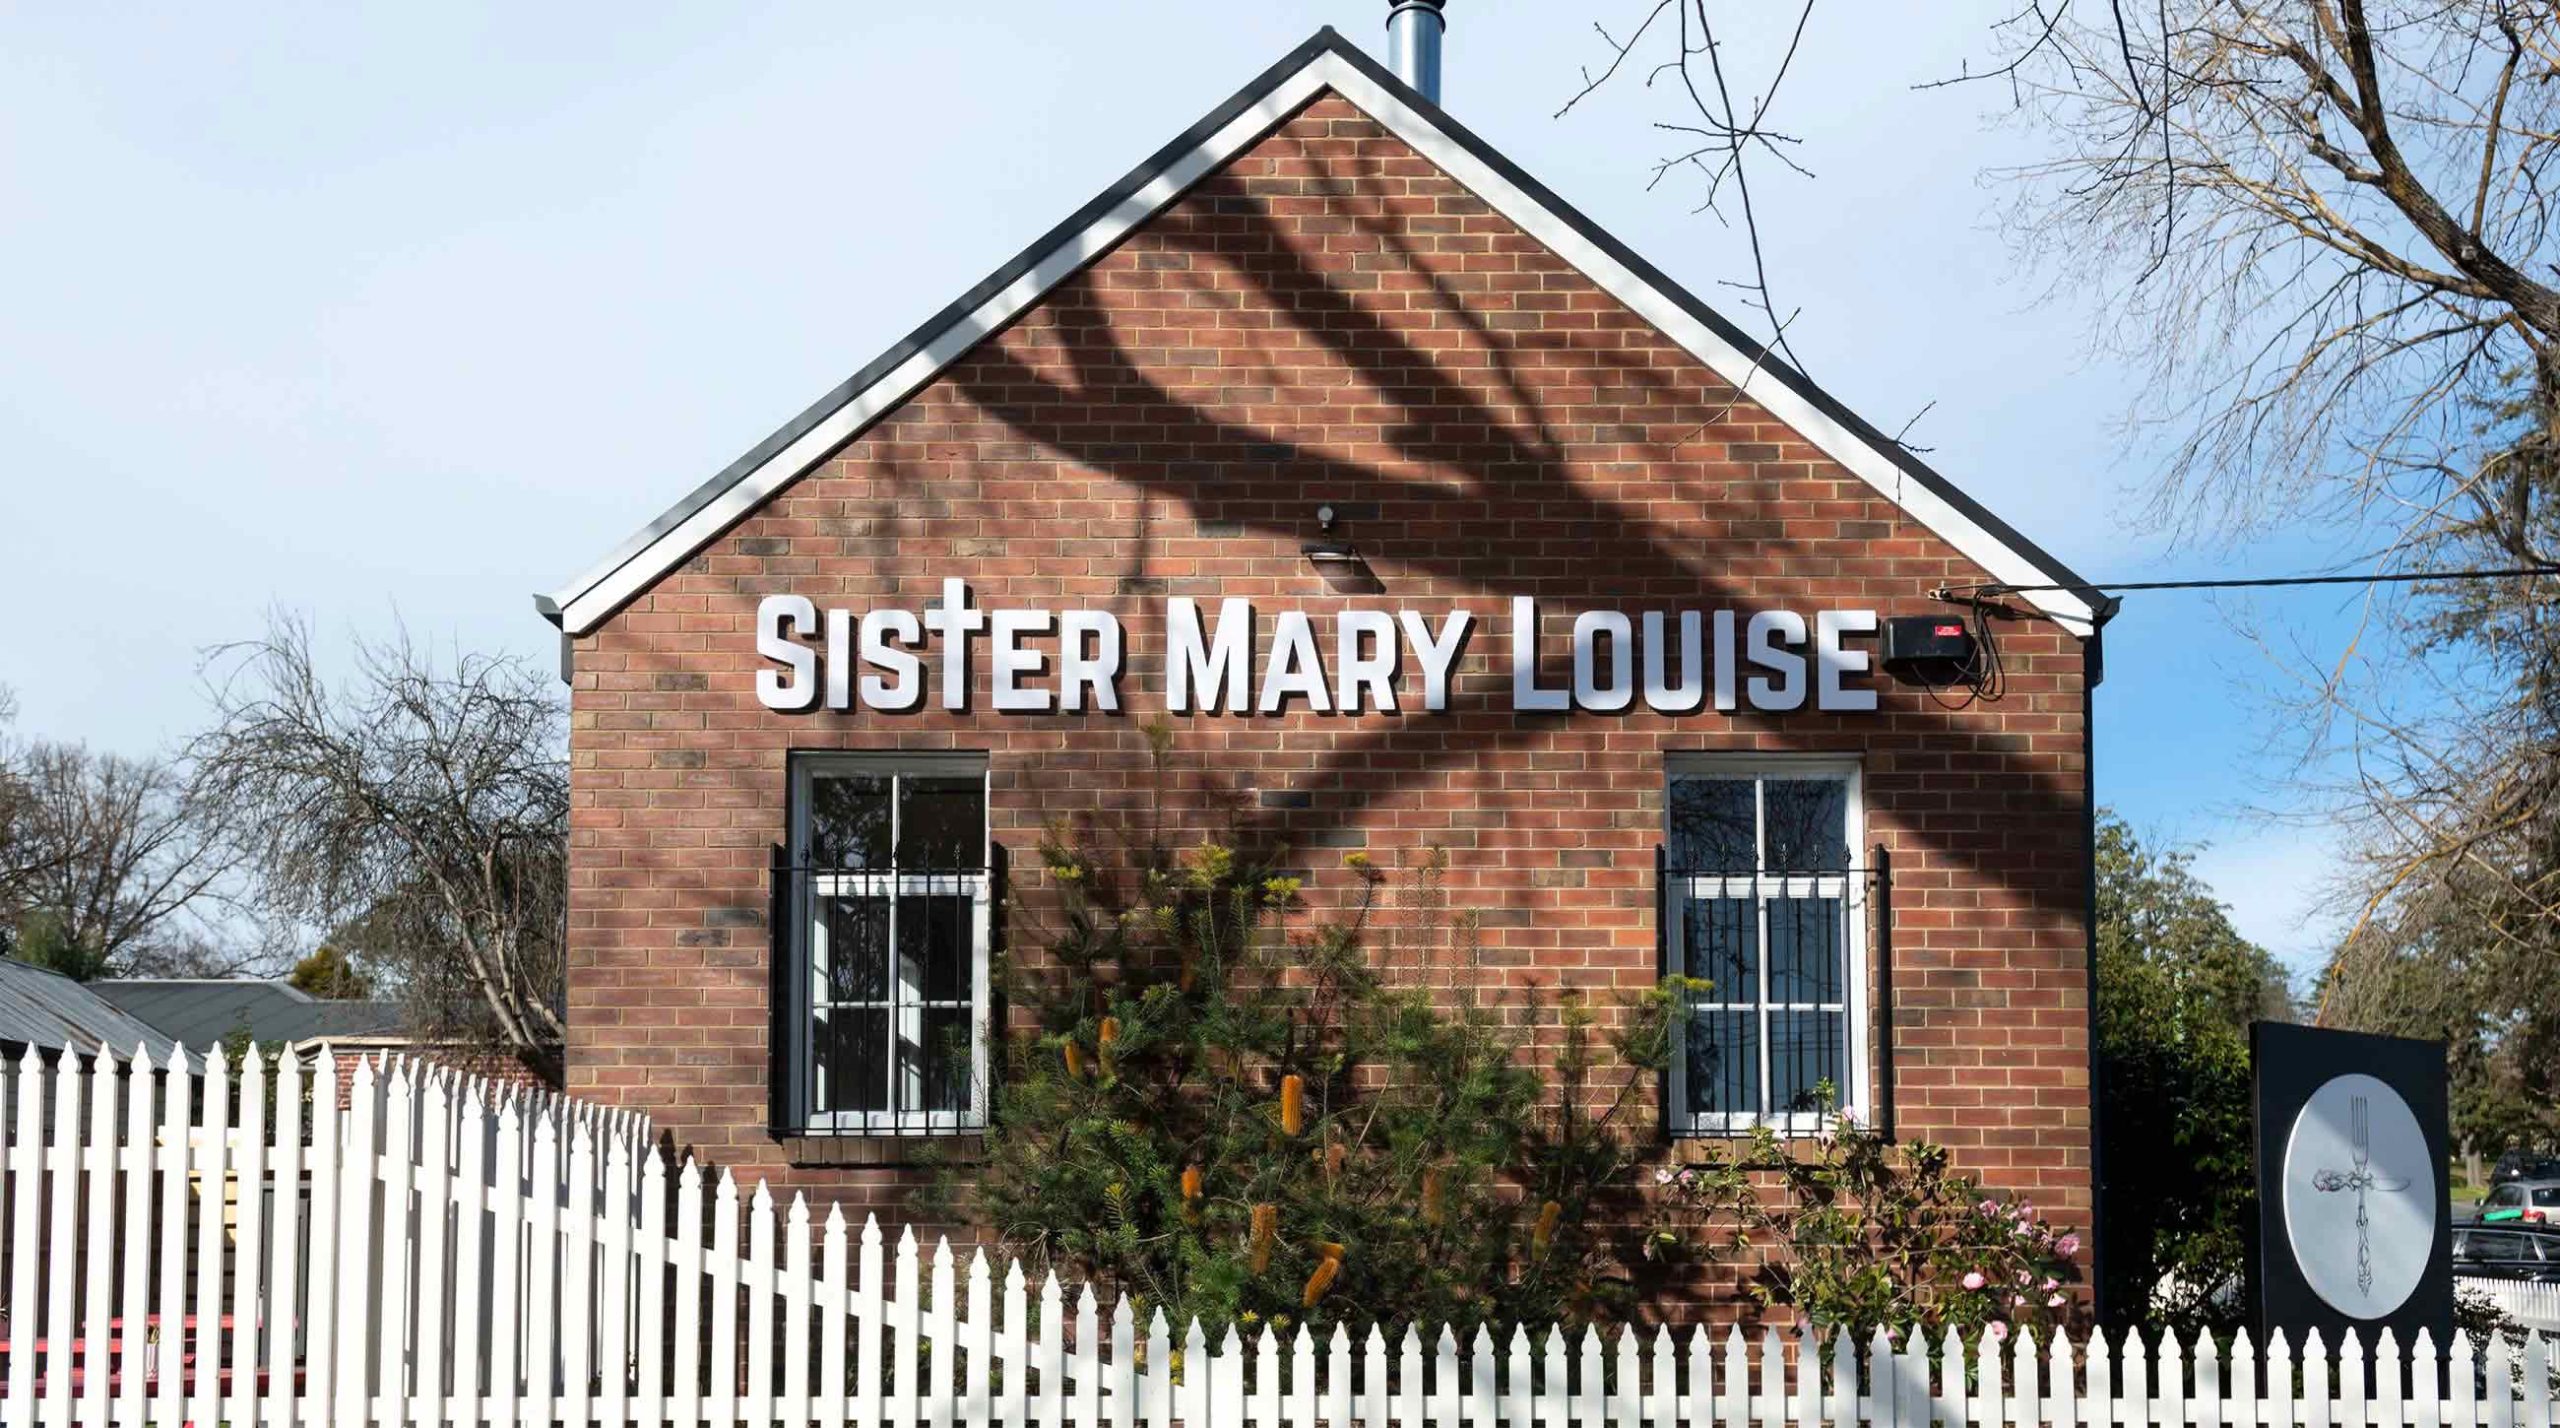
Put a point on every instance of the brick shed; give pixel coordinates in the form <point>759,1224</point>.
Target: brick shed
<point>1428,517</point>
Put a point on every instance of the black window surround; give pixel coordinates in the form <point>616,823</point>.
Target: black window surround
<point>1761,895</point>
<point>885,913</point>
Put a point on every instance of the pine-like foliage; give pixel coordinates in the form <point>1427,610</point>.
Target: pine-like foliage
<point>1236,1117</point>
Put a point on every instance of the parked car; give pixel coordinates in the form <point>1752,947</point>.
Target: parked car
<point>2524,1165</point>
<point>2529,1252</point>
<point>2529,1202</point>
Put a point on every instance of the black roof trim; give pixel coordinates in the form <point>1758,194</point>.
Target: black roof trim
<point>1254,92</point>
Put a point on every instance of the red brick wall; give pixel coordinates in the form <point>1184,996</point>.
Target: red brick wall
<point>1331,320</point>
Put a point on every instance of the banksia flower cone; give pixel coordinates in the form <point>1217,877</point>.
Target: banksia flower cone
<point>1333,1161</point>
<point>1293,1104</point>
<point>1266,1232</point>
<point>1319,1282</point>
<point>1075,1061</point>
<point>1431,1196</point>
<point>1191,1193</point>
<point>1110,1032</point>
<point>1543,1233</point>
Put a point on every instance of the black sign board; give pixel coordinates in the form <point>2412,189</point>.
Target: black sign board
<point>2354,1229</point>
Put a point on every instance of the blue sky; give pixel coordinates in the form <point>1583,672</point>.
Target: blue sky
<point>409,311</point>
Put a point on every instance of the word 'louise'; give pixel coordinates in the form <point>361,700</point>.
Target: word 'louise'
<point>1044,662</point>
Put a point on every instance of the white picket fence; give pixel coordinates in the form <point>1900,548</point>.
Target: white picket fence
<point>446,1252</point>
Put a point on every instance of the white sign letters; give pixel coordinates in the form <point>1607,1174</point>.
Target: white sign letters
<point>1231,660</point>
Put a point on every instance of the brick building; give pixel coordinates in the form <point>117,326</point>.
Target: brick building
<point>1428,516</point>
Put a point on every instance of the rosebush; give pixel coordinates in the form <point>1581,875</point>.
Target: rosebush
<point>1868,1234</point>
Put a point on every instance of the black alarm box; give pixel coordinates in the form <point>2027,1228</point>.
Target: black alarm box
<point>1932,649</point>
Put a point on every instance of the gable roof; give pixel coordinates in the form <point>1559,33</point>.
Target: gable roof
<point>1326,61</point>
<point>200,1012</point>
<point>48,1011</point>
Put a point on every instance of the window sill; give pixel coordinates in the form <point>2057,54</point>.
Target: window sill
<point>1691,1147</point>
<point>816,1151</point>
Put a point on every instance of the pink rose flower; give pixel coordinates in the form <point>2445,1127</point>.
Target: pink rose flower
<point>1989,1207</point>
<point>1973,1279</point>
<point>2067,1246</point>
<point>1996,1331</point>
<point>2055,1302</point>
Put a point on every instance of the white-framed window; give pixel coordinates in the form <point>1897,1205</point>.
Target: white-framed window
<point>893,905</point>
<point>1764,899</point>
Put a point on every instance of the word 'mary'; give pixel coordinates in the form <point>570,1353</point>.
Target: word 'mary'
<point>1043,662</point>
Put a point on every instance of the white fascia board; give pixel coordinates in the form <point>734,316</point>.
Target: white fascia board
<point>587,601</point>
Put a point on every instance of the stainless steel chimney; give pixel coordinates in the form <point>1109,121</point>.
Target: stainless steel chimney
<point>1413,44</point>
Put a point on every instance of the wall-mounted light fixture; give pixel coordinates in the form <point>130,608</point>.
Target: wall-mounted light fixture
<point>1337,561</point>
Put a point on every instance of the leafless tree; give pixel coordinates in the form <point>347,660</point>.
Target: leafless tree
<point>124,862</point>
<point>419,805</point>
<point>2323,230</point>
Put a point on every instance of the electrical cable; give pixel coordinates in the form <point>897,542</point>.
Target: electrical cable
<point>1968,594</point>
<point>1984,680</point>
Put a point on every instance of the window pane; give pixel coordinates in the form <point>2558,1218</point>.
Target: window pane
<point>1723,936</point>
<point>934,944</point>
<point>848,821</point>
<point>853,950</point>
<point>1808,949</point>
<point>942,824</point>
<point>1724,1063</point>
<point>1808,823</point>
<point>853,1060</point>
<point>946,1059</point>
<point>2547,1195</point>
<point>1713,825</point>
<point>1805,1050</point>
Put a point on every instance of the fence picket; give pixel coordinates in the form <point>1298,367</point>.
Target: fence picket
<point>797,1287</point>
<point>1124,1328</point>
<point>899,1333</point>
<point>1160,1386</point>
<point>614,1301</point>
<point>1989,1404</point>
<point>1193,1397</point>
<point>940,1360</point>
<point>2426,1398</point>
<point>470,1230</point>
<point>757,1403</point>
<point>836,1265</point>
<point>978,1341</point>
<point>688,1290</point>
<point>1014,1358</point>
<point>209,1144</point>
<point>1052,1352</point>
<point>1266,1378</point>
<point>434,1274</point>
<point>1088,1360</point>
<point>62,1176</point>
<point>2355,1381</point>
<point>578,1316</point>
<point>1626,1400</point>
<point>97,1151</point>
<point>1305,1403</point>
<point>721,1400</point>
<point>133,1301</point>
<point>507,1266</point>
